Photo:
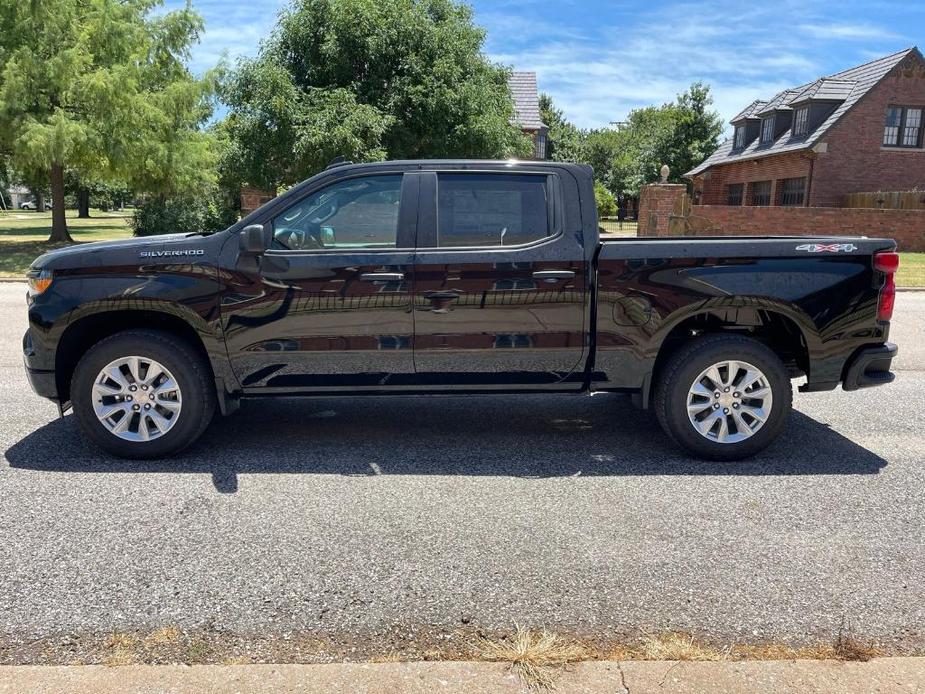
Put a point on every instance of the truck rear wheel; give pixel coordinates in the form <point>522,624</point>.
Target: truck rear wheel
<point>723,397</point>
<point>142,394</point>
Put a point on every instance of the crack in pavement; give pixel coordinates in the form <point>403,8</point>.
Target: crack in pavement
<point>626,689</point>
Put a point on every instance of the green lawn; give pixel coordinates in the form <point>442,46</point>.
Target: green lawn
<point>911,270</point>
<point>612,226</point>
<point>23,234</point>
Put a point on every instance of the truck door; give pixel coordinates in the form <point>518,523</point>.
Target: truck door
<point>500,284</point>
<point>329,306</point>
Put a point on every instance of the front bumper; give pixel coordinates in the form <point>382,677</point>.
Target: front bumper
<point>43,383</point>
<point>42,380</point>
<point>870,366</point>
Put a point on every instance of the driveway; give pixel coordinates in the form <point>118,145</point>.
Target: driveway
<point>354,518</point>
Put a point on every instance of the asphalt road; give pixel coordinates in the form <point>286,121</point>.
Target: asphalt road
<point>351,516</point>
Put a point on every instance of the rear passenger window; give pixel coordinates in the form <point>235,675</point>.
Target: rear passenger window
<point>491,209</point>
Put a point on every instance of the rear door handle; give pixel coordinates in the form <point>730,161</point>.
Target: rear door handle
<point>553,274</point>
<point>382,276</point>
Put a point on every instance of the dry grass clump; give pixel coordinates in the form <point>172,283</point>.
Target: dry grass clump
<point>534,656</point>
<point>846,647</point>
<point>167,634</point>
<point>121,649</point>
<point>680,646</point>
<point>683,646</point>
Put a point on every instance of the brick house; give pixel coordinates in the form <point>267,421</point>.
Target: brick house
<point>527,110</point>
<point>858,130</point>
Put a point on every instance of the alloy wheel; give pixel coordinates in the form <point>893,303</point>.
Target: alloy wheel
<point>136,398</point>
<point>729,401</point>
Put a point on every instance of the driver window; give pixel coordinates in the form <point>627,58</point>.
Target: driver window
<point>357,213</point>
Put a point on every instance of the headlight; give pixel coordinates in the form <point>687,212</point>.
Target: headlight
<point>39,281</point>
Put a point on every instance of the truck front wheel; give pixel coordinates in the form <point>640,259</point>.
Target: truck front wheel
<point>142,394</point>
<point>723,397</point>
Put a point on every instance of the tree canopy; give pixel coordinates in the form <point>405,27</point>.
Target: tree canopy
<point>367,79</point>
<point>564,141</point>
<point>681,134</point>
<point>101,88</point>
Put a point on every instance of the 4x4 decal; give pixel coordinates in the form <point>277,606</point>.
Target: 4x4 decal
<point>827,247</point>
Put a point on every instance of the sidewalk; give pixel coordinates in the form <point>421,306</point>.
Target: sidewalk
<point>602,677</point>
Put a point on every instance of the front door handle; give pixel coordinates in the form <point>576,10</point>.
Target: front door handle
<point>551,275</point>
<point>382,276</point>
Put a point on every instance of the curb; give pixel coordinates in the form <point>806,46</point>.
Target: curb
<point>591,677</point>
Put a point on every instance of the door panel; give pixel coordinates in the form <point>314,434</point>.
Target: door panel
<point>334,317</point>
<point>497,316</point>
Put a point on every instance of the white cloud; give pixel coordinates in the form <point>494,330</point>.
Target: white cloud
<point>861,32</point>
<point>649,55</point>
<point>600,60</point>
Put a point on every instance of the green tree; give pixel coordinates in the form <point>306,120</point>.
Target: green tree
<point>606,202</point>
<point>367,79</point>
<point>101,88</point>
<point>680,134</point>
<point>564,141</point>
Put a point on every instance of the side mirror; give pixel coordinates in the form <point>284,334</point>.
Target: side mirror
<point>255,239</point>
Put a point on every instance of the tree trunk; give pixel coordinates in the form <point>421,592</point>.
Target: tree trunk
<point>39,199</point>
<point>83,203</point>
<point>59,231</point>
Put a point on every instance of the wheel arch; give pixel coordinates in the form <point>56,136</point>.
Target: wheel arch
<point>783,328</point>
<point>89,329</point>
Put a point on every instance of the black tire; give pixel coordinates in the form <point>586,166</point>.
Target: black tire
<point>678,375</point>
<point>189,369</point>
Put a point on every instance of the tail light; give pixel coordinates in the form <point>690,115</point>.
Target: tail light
<point>887,263</point>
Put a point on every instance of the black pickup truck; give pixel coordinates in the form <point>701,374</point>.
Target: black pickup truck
<point>453,276</point>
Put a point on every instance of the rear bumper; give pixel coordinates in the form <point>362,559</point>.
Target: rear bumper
<point>870,366</point>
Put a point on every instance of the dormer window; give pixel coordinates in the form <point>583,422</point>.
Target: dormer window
<point>767,130</point>
<point>801,121</point>
<point>738,141</point>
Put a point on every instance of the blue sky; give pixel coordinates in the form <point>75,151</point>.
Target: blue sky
<point>599,59</point>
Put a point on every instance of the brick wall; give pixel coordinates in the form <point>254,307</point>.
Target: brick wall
<point>252,198</point>
<point>906,226</point>
<point>658,204</point>
<point>669,214</point>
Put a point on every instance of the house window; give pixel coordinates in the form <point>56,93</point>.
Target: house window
<point>539,149</point>
<point>738,141</point>
<point>767,130</point>
<point>761,193</point>
<point>903,127</point>
<point>792,191</point>
<point>734,194</point>
<point>801,121</point>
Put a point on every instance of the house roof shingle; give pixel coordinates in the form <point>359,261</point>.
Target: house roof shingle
<point>750,111</point>
<point>850,85</point>
<point>825,89</point>
<point>526,100</point>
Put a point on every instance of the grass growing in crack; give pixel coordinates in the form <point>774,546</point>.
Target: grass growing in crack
<point>121,649</point>
<point>535,656</point>
<point>847,647</point>
<point>680,646</point>
<point>167,634</point>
